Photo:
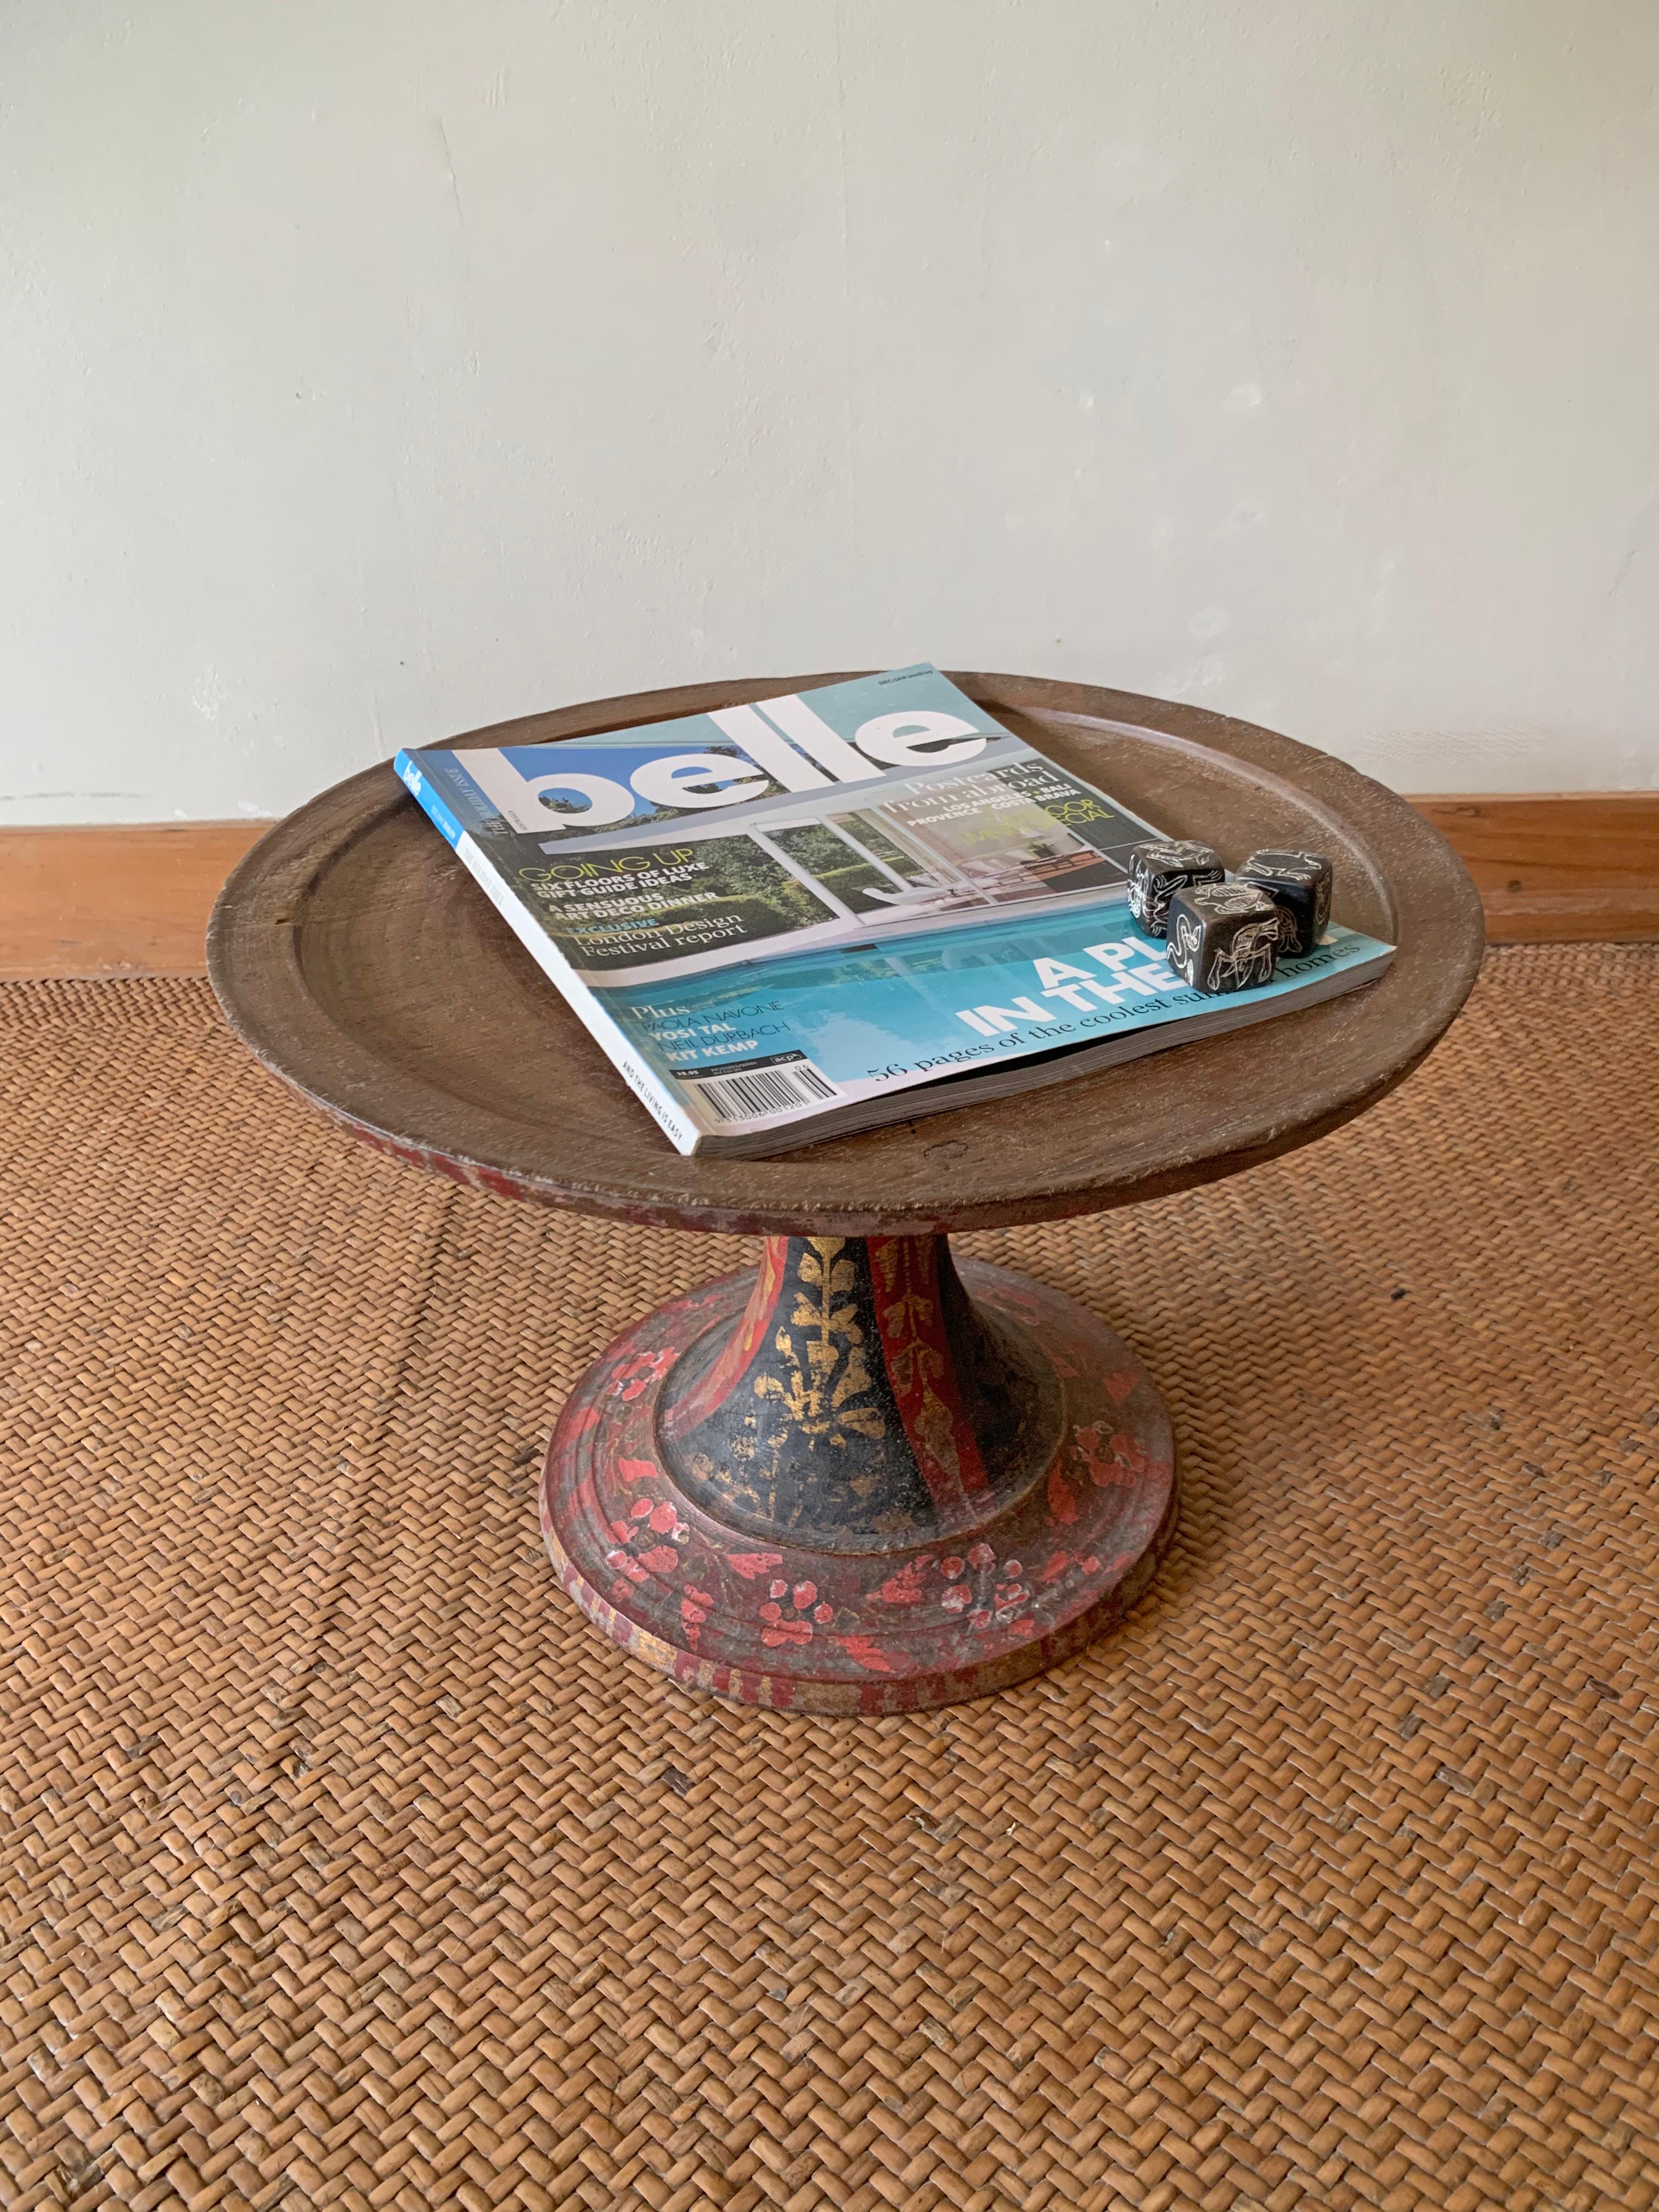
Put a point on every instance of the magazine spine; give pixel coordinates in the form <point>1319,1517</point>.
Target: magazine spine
<point>637,1072</point>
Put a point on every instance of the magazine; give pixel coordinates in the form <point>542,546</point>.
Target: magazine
<point>851,905</point>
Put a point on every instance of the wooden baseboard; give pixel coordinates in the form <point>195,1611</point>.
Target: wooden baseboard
<point>125,900</point>
<point>1551,868</point>
<point>1558,867</point>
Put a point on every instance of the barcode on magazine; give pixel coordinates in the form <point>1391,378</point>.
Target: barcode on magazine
<point>750,1094</point>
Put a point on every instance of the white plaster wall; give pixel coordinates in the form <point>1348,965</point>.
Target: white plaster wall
<point>378,368</point>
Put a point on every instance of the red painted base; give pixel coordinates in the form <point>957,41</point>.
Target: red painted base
<point>906,1488</point>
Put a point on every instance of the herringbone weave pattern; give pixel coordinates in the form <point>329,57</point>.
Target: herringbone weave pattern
<point>344,1866</point>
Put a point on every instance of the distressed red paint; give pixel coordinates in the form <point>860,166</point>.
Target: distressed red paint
<point>744,1344</point>
<point>920,1367</point>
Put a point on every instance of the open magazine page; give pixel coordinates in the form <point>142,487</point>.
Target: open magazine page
<point>787,1038</point>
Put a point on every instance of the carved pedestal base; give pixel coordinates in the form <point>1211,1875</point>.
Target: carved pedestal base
<point>855,1481</point>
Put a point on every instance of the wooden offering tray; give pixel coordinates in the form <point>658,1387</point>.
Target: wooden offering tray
<point>862,1477</point>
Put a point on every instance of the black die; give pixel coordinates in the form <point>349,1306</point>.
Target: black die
<point>1224,937</point>
<point>1300,884</point>
<point>1158,870</point>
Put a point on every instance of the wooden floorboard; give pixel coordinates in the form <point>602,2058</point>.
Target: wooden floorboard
<point>134,899</point>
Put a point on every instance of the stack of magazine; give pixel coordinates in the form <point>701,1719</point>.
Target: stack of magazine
<point>856,904</point>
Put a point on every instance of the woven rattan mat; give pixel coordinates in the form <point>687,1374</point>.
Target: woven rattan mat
<point>344,1865</point>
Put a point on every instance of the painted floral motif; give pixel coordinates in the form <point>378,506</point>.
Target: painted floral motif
<point>828,1372</point>
<point>750,1565</point>
<point>874,1657</point>
<point>789,1612</point>
<point>646,1543</point>
<point>1060,1561</point>
<point>1009,1598</point>
<point>1119,1460</point>
<point>918,1363</point>
<point>990,1594</point>
<point>906,1586</point>
<point>695,1606</point>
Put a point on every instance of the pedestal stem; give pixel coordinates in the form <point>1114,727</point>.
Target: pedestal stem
<point>862,1403</point>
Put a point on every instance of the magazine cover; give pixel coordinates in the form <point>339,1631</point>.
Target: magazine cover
<point>864,809</point>
<point>791,913</point>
